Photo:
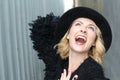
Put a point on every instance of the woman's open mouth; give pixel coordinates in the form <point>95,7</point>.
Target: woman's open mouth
<point>80,39</point>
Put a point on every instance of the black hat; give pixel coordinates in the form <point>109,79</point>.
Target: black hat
<point>68,17</point>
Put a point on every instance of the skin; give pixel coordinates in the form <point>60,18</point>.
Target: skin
<point>81,28</point>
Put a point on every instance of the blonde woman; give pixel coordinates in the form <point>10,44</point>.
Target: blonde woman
<point>72,46</point>
<point>84,36</point>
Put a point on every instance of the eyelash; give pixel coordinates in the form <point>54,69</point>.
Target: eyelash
<point>90,27</point>
<point>77,24</point>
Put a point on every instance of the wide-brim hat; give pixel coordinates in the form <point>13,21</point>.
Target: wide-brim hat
<point>68,17</point>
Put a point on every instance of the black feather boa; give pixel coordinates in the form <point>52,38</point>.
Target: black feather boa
<point>42,35</point>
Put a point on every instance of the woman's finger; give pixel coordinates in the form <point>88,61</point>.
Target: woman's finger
<point>69,75</point>
<point>64,75</point>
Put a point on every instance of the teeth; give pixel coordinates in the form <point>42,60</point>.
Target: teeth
<point>84,38</point>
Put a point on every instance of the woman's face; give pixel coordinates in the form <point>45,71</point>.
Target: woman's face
<point>82,35</point>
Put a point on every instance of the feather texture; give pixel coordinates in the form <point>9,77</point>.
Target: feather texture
<point>42,35</point>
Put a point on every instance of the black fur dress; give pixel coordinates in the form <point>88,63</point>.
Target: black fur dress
<point>43,38</point>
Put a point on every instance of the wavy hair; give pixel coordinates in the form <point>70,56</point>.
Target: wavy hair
<point>96,52</point>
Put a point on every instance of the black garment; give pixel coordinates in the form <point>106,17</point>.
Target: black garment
<point>42,36</point>
<point>88,70</point>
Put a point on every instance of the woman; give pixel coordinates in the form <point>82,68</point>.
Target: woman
<point>81,38</point>
<point>87,36</point>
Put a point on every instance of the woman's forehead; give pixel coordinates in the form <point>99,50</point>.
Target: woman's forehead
<point>84,20</point>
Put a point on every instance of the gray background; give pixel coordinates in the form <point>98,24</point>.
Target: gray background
<point>112,58</point>
<point>18,60</point>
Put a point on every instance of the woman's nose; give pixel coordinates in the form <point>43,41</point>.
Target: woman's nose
<point>83,30</point>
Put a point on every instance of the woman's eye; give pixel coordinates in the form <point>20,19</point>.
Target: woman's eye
<point>91,28</point>
<point>77,24</point>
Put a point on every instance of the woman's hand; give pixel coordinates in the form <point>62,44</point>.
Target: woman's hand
<point>64,75</point>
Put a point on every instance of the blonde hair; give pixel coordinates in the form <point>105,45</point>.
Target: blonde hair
<point>96,52</point>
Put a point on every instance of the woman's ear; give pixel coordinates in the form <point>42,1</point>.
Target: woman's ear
<point>68,36</point>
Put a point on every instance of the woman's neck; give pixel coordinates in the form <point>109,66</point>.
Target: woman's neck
<point>75,60</point>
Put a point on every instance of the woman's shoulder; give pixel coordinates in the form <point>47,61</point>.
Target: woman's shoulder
<point>94,69</point>
<point>92,64</point>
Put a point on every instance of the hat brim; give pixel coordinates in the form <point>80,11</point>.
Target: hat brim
<point>68,17</point>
